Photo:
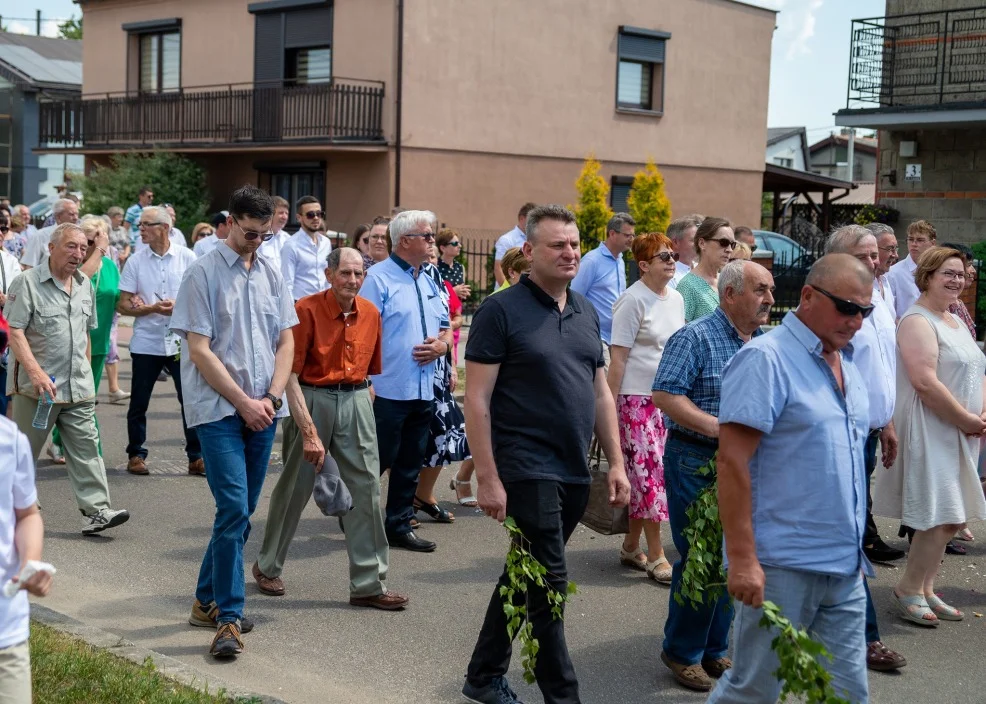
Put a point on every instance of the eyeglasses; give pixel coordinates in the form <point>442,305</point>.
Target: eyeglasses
<point>918,240</point>
<point>453,244</point>
<point>665,256</point>
<point>952,275</point>
<point>893,249</point>
<point>251,235</point>
<point>150,224</point>
<point>312,214</point>
<point>844,307</point>
<point>426,235</point>
<point>724,242</point>
<point>379,238</point>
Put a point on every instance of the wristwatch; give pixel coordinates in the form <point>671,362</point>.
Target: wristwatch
<point>275,401</point>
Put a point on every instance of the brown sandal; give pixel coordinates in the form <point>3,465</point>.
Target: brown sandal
<point>690,676</point>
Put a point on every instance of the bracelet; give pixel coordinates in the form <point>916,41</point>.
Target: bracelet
<point>103,251</point>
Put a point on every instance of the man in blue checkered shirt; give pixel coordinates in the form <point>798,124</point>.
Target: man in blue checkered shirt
<point>145,197</point>
<point>686,389</point>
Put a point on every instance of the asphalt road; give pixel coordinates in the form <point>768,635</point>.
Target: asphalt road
<point>310,646</point>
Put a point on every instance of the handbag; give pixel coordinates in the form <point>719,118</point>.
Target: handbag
<point>599,515</point>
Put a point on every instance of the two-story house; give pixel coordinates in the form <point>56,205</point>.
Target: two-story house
<point>468,108</point>
<point>918,75</point>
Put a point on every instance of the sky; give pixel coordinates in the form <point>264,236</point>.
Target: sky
<point>809,57</point>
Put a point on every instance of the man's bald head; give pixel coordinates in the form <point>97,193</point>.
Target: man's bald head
<point>833,268</point>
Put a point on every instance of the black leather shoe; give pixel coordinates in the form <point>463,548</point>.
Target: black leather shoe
<point>409,541</point>
<point>879,551</point>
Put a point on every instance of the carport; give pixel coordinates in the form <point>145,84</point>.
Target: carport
<point>786,184</point>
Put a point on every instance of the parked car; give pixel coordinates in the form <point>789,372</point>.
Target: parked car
<point>789,256</point>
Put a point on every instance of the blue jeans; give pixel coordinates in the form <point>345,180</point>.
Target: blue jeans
<point>236,461</point>
<point>690,635</point>
<point>4,398</point>
<point>829,606</point>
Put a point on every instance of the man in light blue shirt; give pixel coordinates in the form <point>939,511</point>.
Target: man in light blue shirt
<point>416,332</point>
<point>303,255</point>
<point>508,240</point>
<point>794,419</point>
<point>602,276</point>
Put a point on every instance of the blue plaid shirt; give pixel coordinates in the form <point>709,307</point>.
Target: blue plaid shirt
<point>692,364</point>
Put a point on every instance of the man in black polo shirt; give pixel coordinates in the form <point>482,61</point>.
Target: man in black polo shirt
<point>536,389</point>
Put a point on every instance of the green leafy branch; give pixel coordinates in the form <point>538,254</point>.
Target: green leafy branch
<point>524,569</point>
<point>703,578</point>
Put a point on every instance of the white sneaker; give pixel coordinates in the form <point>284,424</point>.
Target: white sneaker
<point>103,519</point>
<point>118,396</point>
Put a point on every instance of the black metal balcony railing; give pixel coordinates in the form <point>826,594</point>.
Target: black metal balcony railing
<point>928,58</point>
<point>342,110</point>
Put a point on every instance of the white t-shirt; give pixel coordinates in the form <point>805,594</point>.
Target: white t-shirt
<point>17,491</point>
<point>36,248</point>
<point>643,321</point>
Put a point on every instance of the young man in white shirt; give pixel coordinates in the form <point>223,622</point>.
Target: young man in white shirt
<point>303,255</point>
<point>515,238</point>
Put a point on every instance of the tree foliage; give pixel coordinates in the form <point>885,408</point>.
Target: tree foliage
<point>174,178</point>
<point>71,28</point>
<point>592,210</point>
<point>648,203</point>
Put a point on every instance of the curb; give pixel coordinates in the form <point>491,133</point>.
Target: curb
<point>168,666</point>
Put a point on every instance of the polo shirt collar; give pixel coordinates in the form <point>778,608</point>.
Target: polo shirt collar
<point>807,338</point>
<point>334,309</point>
<point>542,296</point>
<point>607,253</point>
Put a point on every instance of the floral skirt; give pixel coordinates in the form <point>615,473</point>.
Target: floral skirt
<point>642,438</point>
<point>447,437</point>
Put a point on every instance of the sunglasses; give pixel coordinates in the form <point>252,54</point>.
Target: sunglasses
<point>149,224</point>
<point>453,244</point>
<point>724,242</point>
<point>844,307</point>
<point>426,235</point>
<point>4,229</point>
<point>753,248</point>
<point>666,257</point>
<point>251,235</point>
<point>312,214</point>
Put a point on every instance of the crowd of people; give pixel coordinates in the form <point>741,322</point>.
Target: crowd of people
<point>354,351</point>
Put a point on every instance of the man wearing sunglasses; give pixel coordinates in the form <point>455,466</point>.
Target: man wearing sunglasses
<point>602,275</point>
<point>303,256</point>
<point>797,393</point>
<point>235,316</point>
<point>148,287</point>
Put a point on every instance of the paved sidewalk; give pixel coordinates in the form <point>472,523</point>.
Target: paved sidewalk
<point>311,647</point>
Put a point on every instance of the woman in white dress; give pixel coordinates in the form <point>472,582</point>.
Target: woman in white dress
<point>933,486</point>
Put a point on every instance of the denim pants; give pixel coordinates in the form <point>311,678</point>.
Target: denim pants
<point>145,369</point>
<point>236,461</point>
<point>829,606</point>
<point>547,512</point>
<point>690,635</point>
<point>402,440</point>
<point>4,398</point>
<point>870,532</point>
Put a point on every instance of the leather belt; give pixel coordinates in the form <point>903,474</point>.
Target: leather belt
<point>681,437</point>
<point>340,387</point>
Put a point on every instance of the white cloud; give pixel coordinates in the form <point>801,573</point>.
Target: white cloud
<point>49,28</point>
<point>796,25</point>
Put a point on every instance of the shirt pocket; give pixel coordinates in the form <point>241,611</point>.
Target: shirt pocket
<point>362,354</point>
<point>48,319</point>
<point>270,318</point>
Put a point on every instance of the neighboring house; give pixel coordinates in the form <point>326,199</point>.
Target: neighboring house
<point>788,147</point>
<point>830,157</point>
<point>917,77</point>
<point>467,108</point>
<point>34,69</point>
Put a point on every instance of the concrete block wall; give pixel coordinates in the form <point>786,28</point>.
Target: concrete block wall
<point>952,190</point>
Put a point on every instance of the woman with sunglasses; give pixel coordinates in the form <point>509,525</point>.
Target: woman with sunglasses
<point>933,487</point>
<point>714,242</point>
<point>203,229</point>
<point>449,245</point>
<point>644,317</point>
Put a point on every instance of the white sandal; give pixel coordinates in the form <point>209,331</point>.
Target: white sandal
<point>470,500</point>
<point>663,576</point>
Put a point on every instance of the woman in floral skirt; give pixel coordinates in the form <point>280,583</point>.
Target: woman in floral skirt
<point>644,317</point>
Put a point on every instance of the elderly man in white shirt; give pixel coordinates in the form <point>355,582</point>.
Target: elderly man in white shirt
<point>875,355</point>
<point>304,255</point>
<point>514,238</point>
<point>681,232</point>
<point>921,236</point>
<point>148,288</point>
<point>64,210</point>
<point>886,244</point>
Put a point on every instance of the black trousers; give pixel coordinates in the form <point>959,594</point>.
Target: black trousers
<point>547,512</point>
<point>870,533</point>
<point>402,438</point>
<point>145,369</point>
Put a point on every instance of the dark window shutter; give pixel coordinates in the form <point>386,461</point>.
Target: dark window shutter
<point>637,48</point>
<point>268,53</point>
<point>308,27</point>
<point>618,197</point>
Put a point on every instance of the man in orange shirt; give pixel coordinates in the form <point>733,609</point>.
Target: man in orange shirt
<point>337,346</point>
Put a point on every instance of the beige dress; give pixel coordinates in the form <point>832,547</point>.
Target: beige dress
<point>935,479</point>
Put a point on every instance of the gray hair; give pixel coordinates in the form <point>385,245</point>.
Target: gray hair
<point>678,228</point>
<point>335,257</point>
<point>61,204</point>
<point>157,212</point>
<point>546,212</point>
<point>407,220</point>
<point>828,268</point>
<point>617,222</point>
<point>60,230</point>
<point>95,222</point>
<point>114,210</point>
<point>879,228</point>
<point>846,238</point>
<point>732,276</point>
<point>19,206</point>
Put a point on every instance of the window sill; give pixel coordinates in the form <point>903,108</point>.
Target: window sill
<point>640,111</point>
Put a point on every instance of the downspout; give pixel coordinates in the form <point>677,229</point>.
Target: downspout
<point>399,103</point>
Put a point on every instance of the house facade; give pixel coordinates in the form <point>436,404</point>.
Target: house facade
<point>464,107</point>
<point>830,157</point>
<point>788,147</point>
<point>918,75</point>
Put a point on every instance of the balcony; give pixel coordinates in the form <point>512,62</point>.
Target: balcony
<point>917,70</point>
<point>341,111</point>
